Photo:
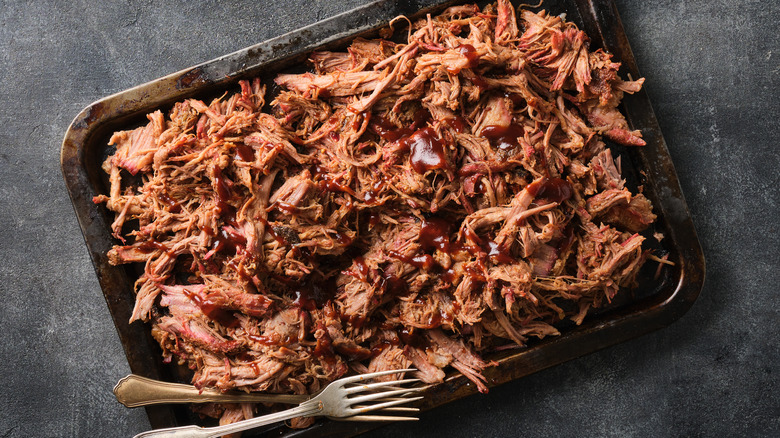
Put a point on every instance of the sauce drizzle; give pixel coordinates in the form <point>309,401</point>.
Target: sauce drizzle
<point>211,309</point>
<point>551,189</point>
<point>435,234</point>
<point>426,150</point>
<point>503,138</point>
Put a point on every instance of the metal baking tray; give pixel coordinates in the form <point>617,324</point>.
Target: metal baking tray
<point>655,304</point>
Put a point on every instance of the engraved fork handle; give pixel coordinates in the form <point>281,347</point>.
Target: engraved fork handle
<point>133,391</point>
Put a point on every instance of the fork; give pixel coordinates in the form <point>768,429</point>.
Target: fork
<point>337,400</point>
<point>134,391</point>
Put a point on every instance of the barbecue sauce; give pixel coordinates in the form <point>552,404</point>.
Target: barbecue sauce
<point>497,254</point>
<point>173,206</point>
<point>444,315</point>
<point>435,234</point>
<point>409,337</point>
<point>479,82</point>
<point>224,195</point>
<point>517,99</point>
<point>391,284</point>
<point>387,130</point>
<point>426,150</point>
<point>212,310</point>
<point>381,346</point>
<point>470,53</point>
<point>245,276</point>
<point>422,261</point>
<point>472,58</point>
<point>314,293</point>
<point>370,196</point>
<point>342,239</point>
<point>550,189</point>
<point>226,241</point>
<point>476,246</point>
<point>374,218</point>
<point>303,300</point>
<point>250,361</point>
<point>324,346</point>
<point>458,124</point>
<point>245,152</point>
<point>269,229</point>
<point>287,207</point>
<point>448,276</point>
<point>221,185</point>
<point>503,138</point>
<point>328,184</point>
<point>361,268</point>
<point>434,319</point>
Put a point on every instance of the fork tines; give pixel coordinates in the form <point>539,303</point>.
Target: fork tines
<point>384,396</point>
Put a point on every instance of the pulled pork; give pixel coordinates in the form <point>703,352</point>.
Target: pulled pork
<point>416,203</point>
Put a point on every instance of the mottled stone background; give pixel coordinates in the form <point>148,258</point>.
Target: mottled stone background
<point>712,75</point>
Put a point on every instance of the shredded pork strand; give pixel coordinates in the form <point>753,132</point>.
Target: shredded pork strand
<point>416,204</point>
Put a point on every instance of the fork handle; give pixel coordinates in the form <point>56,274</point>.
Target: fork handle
<point>306,409</point>
<point>133,391</point>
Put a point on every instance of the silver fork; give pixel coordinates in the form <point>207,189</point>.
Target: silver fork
<point>134,391</point>
<point>340,399</point>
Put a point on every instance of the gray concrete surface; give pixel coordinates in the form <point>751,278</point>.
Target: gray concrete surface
<point>712,73</point>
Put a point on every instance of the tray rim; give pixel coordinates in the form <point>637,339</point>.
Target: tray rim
<point>217,73</point>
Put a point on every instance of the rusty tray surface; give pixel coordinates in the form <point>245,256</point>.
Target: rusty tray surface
<point>655,304</point>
